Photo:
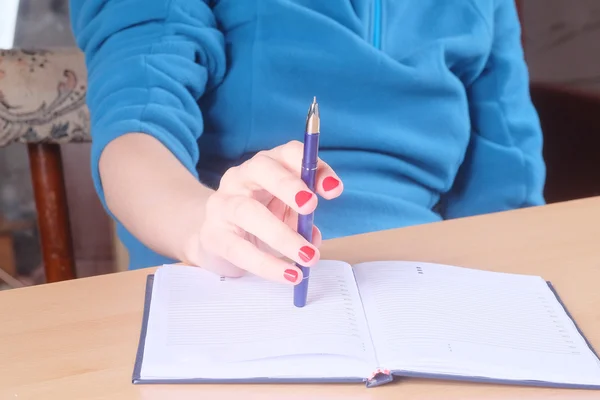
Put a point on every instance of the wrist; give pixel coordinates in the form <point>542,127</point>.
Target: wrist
<point>151,193</point>
<point>190,215</point>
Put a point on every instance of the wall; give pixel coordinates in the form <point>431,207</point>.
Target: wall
<point>562,41</point>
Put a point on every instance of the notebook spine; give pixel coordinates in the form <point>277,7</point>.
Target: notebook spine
<point>379,377</point>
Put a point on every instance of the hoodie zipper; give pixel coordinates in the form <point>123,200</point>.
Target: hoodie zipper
<point>376,33</point>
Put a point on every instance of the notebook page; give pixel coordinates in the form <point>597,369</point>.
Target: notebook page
<point>448,320</point>
<point>203,326</point>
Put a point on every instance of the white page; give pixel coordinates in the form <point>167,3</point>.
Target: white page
<point>203,327</point>
<point>442,319</point>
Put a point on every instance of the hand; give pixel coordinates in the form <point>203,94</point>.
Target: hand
<point>250,221</point>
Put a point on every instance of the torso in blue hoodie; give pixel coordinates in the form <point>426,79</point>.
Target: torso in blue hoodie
<point>425,106</point>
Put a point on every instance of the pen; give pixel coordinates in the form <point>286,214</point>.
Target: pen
<point>308,175</point>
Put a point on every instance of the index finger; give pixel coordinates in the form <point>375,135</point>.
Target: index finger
<point>327,183</point>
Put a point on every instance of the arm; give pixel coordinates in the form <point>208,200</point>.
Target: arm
<point>148,63</point>
<point>503,168</point>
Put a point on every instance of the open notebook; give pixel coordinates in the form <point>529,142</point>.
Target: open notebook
<point>366,323</point>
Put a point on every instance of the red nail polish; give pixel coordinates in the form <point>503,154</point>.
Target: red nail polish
<point>306,253</point>
<point>302,197</point>
<point>330,183</point>
<point>291,275</point>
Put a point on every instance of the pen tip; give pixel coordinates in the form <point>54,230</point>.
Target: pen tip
<point>312,119</point>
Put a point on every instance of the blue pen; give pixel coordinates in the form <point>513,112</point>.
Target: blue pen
<point>309,172</point>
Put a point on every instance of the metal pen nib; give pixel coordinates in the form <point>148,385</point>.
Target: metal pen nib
<point>313,122</point>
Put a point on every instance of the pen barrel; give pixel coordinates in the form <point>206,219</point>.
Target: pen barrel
<point>305,222</point>
<point>308,175</point>
<point>309,158</point>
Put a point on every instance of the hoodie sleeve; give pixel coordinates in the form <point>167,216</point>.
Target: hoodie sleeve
<point>148,62</point>
<point>503,168</point>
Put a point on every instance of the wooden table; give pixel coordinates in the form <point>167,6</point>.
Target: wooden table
<point>77,339</point>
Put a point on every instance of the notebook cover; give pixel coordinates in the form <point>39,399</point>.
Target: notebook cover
<point>137,369</point>
<point>475,379</point>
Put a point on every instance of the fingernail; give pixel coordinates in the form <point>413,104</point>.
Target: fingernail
<point>306,253</point>
<point>291,275</point>
<point>330,183</point>
<point>302,197</point>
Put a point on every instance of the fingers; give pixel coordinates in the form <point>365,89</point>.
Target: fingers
<point>252,217</point>
<point>327,183</point>
<point>221,266</point>
<point>264,173</point>
<point>246,206</point>
<point>317,238</point>
<point>278,172</point>
<point>199,252</point>
<point>244,254</point>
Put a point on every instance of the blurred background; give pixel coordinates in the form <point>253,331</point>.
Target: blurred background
<point>39,25</point>
<point>562,46</point>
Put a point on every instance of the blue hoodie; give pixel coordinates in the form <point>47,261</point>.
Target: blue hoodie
<point>425,105</point>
